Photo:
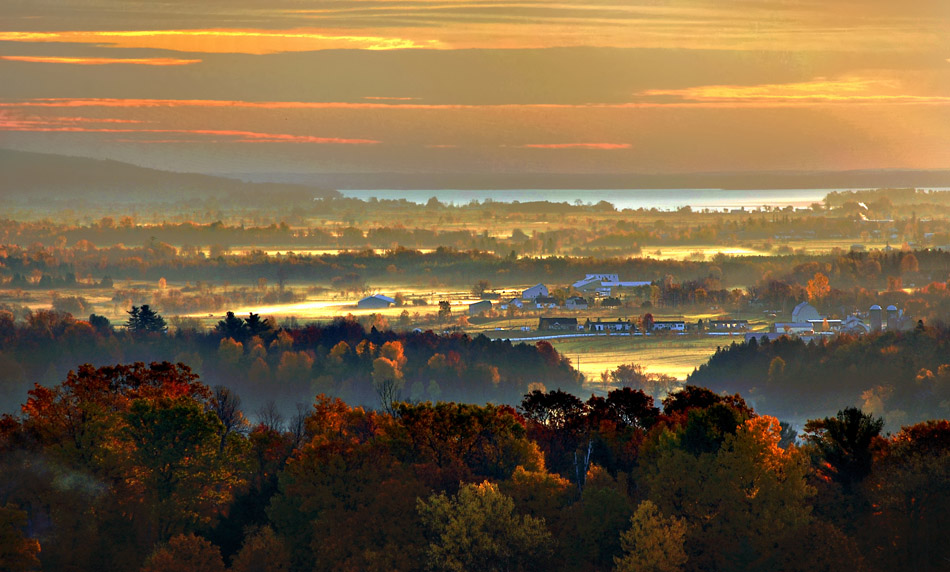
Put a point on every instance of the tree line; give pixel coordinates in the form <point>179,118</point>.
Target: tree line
<point>144,467</point>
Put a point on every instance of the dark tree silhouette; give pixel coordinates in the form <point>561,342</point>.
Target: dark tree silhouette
<point>844,443</point>
<point>144,320</point>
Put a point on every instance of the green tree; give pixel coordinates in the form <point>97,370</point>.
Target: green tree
<point>776,369</point>
<point>654,543</point>
<point>477,529</point>
<point>737,498</point>
<point>445,310</point>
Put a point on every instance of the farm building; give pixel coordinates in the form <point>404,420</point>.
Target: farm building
<point>727,325</point>
<point>804,312</point>
<point>819,325</point>
<point>772,336</point>
<point>854,325</point>
<point>575,303</point>
<point>669,325</point>
<point>516,302</point>
<point>375,301</point>
<point>603,284</point>
<point>542,302</point>
<point>534,292</point>
<point>479,307</point>
<point>557,324</point>
<point>793,328</point>
<point>618,325</point>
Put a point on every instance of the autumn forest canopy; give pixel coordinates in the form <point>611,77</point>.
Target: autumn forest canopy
<point>145,467</point>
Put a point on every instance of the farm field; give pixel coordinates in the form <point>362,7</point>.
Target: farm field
<point>672,355</point>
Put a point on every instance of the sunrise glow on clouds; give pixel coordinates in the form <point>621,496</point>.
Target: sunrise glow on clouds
<point>466,84</point>
<point>597,146</point>
<point>101,61</point>
<point>221,41</point>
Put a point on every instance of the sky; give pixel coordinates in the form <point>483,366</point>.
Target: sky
<point>464,86</point>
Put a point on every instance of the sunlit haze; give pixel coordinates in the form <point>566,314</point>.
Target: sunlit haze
<point>480,86</point>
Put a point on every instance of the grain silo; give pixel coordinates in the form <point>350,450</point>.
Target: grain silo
<point>875,318</point>
<point>892,318</point>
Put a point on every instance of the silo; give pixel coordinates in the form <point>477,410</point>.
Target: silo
<point>875,318</point>
<point>892,318</point>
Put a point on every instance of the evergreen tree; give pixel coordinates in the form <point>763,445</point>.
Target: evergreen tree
<point>144,320</point>
<point>232,327</point>
<point>256,326</point>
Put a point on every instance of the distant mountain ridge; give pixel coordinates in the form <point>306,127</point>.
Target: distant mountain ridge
<point>25,174</point>
<point>866,179</point>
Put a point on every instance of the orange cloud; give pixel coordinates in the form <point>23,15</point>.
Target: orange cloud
<point>237,136</point>
<point>820,90</point>
<point>101,61</point>
<point>223,40</point>
<point>601,146</point>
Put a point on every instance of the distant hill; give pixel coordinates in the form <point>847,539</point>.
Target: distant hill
<point>869,179</point>
<point>40,176</point>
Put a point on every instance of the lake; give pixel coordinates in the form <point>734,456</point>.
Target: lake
<point>660,199</point>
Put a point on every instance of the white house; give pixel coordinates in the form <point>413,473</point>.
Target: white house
<point>516,302</point>
<point>618,325</point>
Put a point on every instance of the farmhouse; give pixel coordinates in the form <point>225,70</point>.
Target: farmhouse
<point>515,302</point>
<point>542,302</point>
<point>557,324</point>
<point>375,301</point>
<point>479,307</point>
<point>618,325</point>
